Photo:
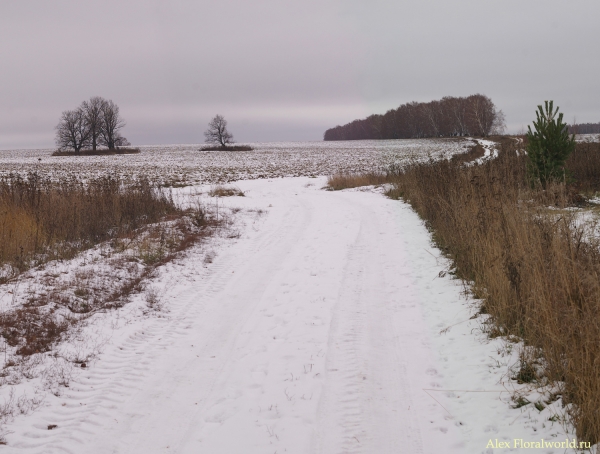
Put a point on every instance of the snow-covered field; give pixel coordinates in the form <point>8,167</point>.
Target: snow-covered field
<point>178,165</point>
<point>324,322</point>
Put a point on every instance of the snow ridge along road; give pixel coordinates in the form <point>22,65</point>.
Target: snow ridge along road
<point>306,335</point>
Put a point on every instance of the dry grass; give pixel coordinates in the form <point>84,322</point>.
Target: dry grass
<point>41,220</point>
<point>137,228</point>
<point>536,272</point>
<point>225,191</point>
<point>117,234</point>
<point>341,181</point>
<point>584,167</point>
<point>47,315</point>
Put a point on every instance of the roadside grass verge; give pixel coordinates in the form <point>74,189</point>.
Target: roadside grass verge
<point>530,261</point>
<point>42,220</point>
<point>71,250</point>
<point>341,181</point>
<point>56,301</point>
<point>79,249</point>
<point>584,167</point>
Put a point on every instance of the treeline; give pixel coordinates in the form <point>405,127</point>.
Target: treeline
<point>94,123</point>
<point>585,128</point>
<point>475,115</point>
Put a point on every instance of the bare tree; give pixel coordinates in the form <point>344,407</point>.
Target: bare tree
<point>92,110</point>
<point>481,112</point>
<point>433,114</point>
<point>458,110</point>
<point>217,132</point>
<point>112,123</point>
<point>499,123</point>
<point>72,130</point>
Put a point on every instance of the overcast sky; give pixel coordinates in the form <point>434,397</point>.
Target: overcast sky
<point>287,70</point>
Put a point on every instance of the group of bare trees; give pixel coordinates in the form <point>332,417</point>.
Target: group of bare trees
<point>95,123</point>
<point>584,128</point>
<point>475,115</point>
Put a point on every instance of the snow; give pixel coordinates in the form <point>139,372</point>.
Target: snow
<point>587,137</point>
<point>181,165</point>
<point>328,325</point>
<point>491,151</point>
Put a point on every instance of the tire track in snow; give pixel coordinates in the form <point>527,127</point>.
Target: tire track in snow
<point>363,406</point>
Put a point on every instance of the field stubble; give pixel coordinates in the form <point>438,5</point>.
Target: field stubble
<point>184,165</point>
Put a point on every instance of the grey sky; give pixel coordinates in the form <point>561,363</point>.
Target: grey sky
<point>287,70</point>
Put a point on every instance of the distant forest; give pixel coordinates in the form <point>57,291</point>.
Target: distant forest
<point>475,115</point>
<point>585,128</point>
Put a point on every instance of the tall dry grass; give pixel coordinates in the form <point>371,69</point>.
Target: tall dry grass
<point>536,269</point>
<point>42,220</point>
<point>584,167</point>
<point>345,180</point>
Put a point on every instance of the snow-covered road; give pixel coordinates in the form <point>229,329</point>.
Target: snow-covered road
<point>312,333</point>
